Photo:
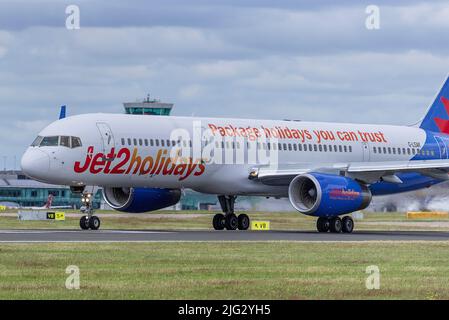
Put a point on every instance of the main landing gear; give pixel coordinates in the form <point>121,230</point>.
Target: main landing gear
<point>335,224</point>
<point>228,219</point>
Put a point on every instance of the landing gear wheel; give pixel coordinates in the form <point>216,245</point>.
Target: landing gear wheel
<point>231,222</point>
<point>335,225</point>
<point>243,222</point>
<point>94,223</point>
<point>84,222</point>
<point>219,221</point>
<point>347,224</point>
<point>322,224</point>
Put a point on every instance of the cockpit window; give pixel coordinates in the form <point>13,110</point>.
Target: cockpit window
<point>37,141</point>
<point>49,141</point>
<point>65,141</point>
<point>76,142</point>
<point>54,141</point>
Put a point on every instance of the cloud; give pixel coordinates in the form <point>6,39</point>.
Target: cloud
<point>310,60</point>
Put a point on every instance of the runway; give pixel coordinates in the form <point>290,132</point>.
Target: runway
<point>47,235</point>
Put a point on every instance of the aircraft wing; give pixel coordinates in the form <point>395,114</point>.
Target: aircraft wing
<point>368,172</point>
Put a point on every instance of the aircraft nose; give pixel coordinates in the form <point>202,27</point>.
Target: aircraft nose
<point>35,163</point>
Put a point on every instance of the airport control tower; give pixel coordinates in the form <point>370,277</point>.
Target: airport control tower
<point>148,107</point>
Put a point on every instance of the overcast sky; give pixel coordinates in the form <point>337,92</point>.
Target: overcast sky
<point>310,60</point>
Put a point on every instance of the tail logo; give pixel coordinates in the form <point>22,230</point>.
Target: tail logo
<point>443,124</point>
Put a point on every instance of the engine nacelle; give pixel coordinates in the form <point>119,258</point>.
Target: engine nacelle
<point>318,194</point>
<point>137,200</point>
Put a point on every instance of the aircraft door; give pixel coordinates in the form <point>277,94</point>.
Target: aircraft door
<point>366,151</point>
<point>442,146</point>
<point>106,136</point>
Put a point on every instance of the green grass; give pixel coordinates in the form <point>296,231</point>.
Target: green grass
<point>201,220</point>
<point>269,270</point>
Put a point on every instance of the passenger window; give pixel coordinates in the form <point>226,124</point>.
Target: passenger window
<point>403,150</point>
<point>157,142</point>
<point>295,147</point>
<point>135,141</point>
<point>64,141</point>
<point>50,141</point>
<point>162,143</point>
<point>320,147</point>
<point>335,148</point>
<point>345,148</point>
<point>408,151</point>
<point>394,150</point>
<point>340,149</point>
<point>315,148</point>
<point>289,147</point>
<point>168,143</point>
<point>190,143</point>
<point>325,148</point>
<point>374,149</point>
<point>310,147</point>
<point>275,146</point>
<point>285,146</point>
<point>330,148</point>
<point>385,150</point>
<point>129,141</point>
<point>123,141</point>
<point>300,147</point>
<point>280,146</point>
<point>350,148</point>
<point>151,142</point>
<point>389,150</point>
<point>399,150</point>
<point>146,142</point>
<point>140,142</point>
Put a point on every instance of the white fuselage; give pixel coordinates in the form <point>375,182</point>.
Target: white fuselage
<point>112,144</point>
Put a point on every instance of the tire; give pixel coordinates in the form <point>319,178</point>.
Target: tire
<point>243,222</point>
<point>322,224</point>
<point>94,223</point>
<point>231,222</point>
<point>84,223</point>
<point>219,221</point>
<point>335,225</point>
<point>347,224</point>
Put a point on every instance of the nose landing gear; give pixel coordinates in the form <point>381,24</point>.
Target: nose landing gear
<point>89,221</point>
<point>229,220</point>
<point>335,224</point>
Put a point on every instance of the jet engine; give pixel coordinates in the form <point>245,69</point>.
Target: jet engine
<point>137,200</point>
<point>319,194</point>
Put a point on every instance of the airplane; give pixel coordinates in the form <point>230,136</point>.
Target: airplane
<point>327,170</point>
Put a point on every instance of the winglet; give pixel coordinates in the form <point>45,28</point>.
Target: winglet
<point>62,112</point>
